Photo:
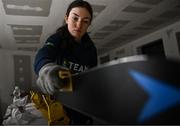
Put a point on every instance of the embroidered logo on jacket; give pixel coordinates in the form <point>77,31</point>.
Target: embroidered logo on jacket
<point>74,66</point>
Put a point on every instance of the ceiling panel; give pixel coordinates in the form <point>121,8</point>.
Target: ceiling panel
<point>110,28</point>
<point>27,7</point>
<point>33,49</point>
<point>132,9</point>
<point>153,23</point>
<point>27,40</point>
<point>170,14</point>
<point>150,2</point>
<point>102,34</point>
<point>119,22</point>
<point>98,8</point>
<point>142,28</point>
<point>26,34</point>
<point>26,29</point>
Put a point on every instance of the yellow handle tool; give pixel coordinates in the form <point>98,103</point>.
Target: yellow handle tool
<point>67,77</point>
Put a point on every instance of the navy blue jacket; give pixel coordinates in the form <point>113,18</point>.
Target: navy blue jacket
<point>61,48</point>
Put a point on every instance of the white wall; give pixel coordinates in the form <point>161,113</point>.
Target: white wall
<point>168,34</point>
<point>7,76</point>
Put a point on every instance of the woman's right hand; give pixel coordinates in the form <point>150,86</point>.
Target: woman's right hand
<point>49,81</point>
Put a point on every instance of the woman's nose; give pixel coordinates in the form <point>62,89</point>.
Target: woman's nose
<point>79,24</point>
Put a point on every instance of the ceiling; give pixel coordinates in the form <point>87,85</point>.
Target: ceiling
<point>26,24</point>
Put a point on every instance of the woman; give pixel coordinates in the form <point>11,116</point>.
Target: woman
<point>70,47</point>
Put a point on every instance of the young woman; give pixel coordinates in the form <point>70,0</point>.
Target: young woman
<point>70,47</point>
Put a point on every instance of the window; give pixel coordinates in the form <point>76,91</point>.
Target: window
<point>154,48</point>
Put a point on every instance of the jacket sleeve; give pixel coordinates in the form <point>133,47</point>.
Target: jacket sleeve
<point>46,54</point>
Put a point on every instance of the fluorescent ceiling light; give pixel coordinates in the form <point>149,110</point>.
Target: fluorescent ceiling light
<point>25,7</point>
<point>18,28</point>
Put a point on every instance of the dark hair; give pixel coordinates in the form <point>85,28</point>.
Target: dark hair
<point>80,3</point>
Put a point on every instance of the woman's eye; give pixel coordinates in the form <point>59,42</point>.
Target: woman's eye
<point>75,18</point>
<point>86,22</point>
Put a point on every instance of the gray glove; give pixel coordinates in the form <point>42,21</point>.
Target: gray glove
<point>49,81</point>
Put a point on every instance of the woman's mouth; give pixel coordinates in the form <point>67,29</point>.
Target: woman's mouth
<point>77,30</point>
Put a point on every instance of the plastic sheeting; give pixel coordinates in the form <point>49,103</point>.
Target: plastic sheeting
<point>22,113</point>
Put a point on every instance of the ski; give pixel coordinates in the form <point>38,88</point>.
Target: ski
<point>131,90</point>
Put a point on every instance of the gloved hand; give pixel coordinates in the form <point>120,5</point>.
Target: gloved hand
<point>49,81</point>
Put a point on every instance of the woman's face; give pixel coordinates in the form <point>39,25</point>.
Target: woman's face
<point>78,22</point>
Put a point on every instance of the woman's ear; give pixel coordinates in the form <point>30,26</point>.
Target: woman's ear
<point>66,19</point>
